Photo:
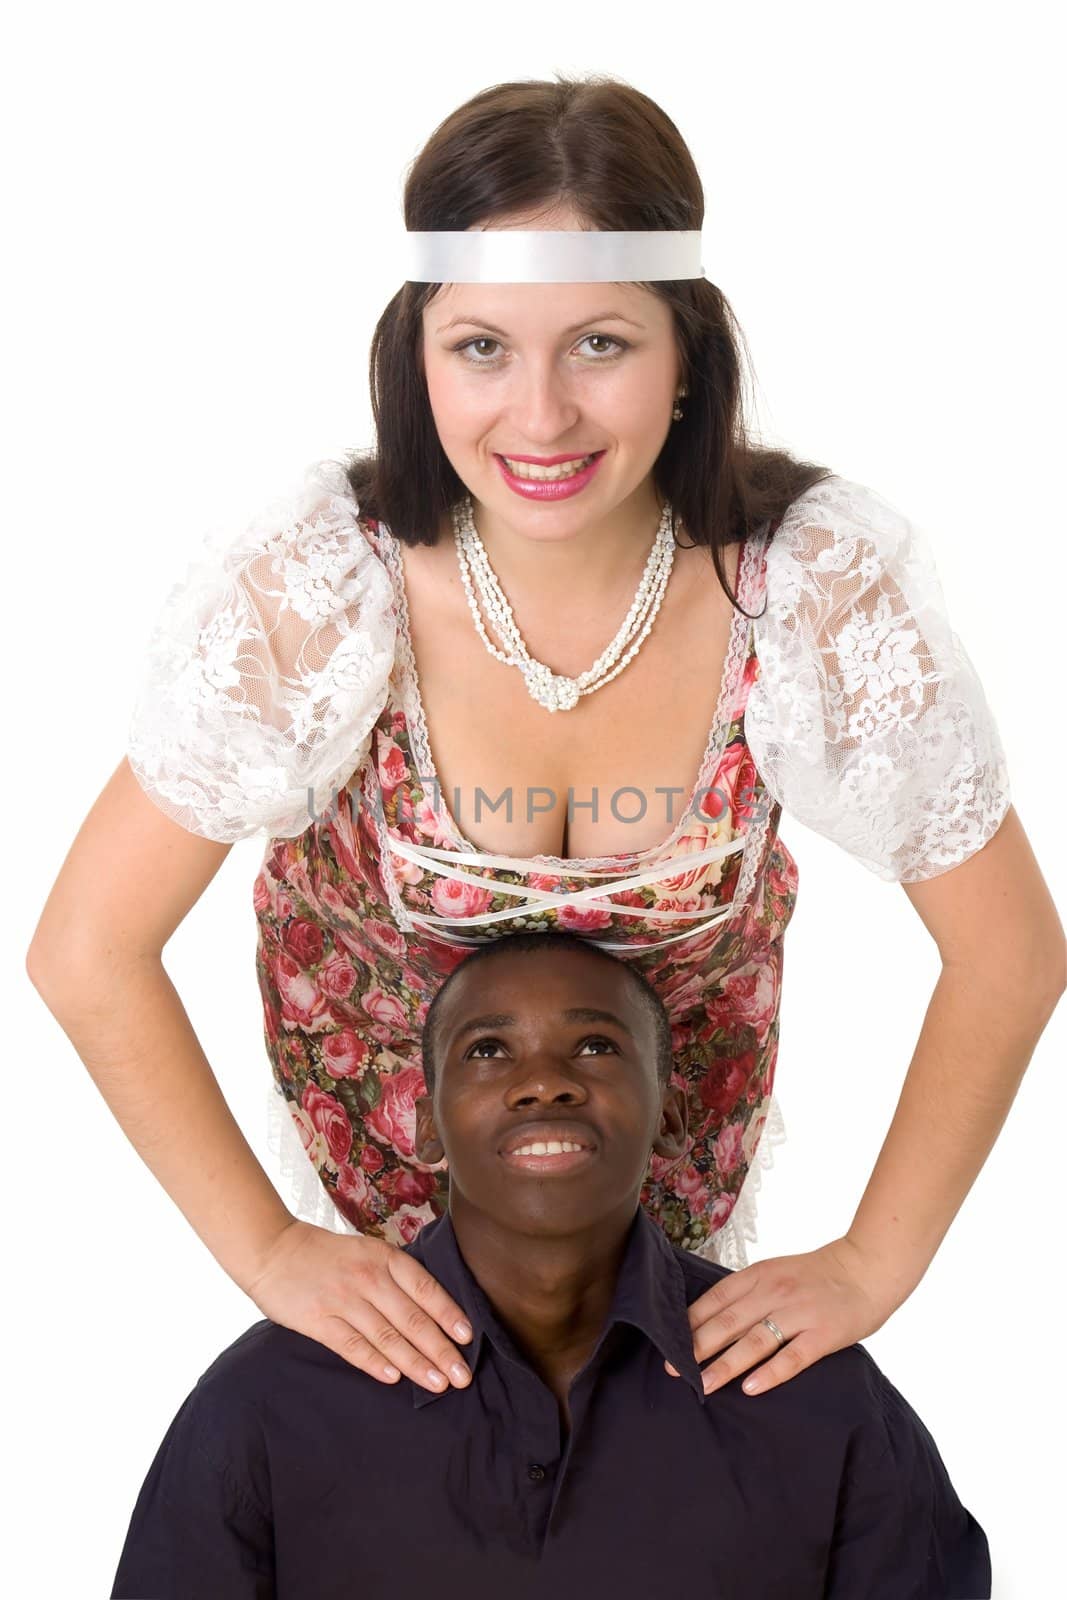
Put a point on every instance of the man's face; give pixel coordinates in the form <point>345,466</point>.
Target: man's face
<point>500,1081</point>
<point>545,371</point>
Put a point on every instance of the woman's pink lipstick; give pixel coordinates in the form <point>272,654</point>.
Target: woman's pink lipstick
<point>553,488</point>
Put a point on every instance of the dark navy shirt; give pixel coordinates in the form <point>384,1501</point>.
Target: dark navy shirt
<point>288,1472</point>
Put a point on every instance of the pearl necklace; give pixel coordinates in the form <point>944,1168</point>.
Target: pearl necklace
<point>551,690</point>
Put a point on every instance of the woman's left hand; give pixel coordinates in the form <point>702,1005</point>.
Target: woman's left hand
<point>823,1300</point>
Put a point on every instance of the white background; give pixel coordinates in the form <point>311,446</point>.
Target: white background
<point>204,203</point>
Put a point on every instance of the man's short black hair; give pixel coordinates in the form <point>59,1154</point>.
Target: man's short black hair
<point>528,945</point>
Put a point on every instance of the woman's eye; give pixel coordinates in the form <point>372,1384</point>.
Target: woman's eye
<point>480,1043</point>
<point>599,1040</point>
<point>620,346</point>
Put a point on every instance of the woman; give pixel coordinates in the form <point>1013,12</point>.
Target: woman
<point>643,666</point>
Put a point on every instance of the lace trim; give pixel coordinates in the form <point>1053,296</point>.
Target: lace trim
<point>727,1246</point>
<point>304,1192</point>
<point>266,669</point>
<point>868,722</point>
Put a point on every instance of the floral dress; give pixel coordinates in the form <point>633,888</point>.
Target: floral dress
<point>281,697</point>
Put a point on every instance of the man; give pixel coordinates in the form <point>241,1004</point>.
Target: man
<point>573,1464</point>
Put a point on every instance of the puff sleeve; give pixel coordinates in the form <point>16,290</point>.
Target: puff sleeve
<point>266,669</point>
<point>868,722</point>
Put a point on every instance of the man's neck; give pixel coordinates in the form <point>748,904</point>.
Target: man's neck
<point>551,1293</point>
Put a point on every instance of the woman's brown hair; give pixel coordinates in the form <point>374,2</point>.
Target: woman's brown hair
<point>619,161</point>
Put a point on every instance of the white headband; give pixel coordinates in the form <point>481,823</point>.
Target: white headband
<point>514,255</point>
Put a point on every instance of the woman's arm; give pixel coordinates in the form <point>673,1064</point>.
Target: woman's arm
<point>96,959</point>
<point>1004,969</point>
<point>129,879</point>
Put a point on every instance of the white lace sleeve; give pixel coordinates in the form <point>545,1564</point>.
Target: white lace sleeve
<point>266,669</point>
<point>868,722</point>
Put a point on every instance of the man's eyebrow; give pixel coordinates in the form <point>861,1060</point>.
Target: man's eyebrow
<point>598,316</point>
<point>501,1019</point>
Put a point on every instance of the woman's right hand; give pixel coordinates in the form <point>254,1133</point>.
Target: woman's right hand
<point>366,1300</point>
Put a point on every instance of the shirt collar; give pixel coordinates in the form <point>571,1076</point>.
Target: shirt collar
<point>649,1294</point>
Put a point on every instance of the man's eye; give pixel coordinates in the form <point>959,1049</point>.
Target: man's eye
<point>495,1044</point>
<point>480,1043</point>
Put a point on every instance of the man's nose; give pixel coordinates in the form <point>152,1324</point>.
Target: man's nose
<point>543,1077</point>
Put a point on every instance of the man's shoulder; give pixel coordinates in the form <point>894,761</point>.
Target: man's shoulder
<point>269,1359</point>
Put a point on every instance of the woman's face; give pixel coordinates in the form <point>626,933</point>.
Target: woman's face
<point>547,369</point>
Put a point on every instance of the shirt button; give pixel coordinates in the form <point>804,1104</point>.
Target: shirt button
<point>535,1472</point>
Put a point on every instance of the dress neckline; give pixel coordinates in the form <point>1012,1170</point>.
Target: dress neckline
<point>410,694</point>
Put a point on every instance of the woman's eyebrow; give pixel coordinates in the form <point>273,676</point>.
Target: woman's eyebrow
<point>598,316</point>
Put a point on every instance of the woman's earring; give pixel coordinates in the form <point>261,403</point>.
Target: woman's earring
<point>678,413</point>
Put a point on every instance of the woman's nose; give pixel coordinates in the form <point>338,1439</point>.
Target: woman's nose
<point>544,408</point>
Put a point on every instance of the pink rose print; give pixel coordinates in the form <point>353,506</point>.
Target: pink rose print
<point>752,1137</point>
<point>329,1118</point>
<point>371,1158</point>
<point>747,996</point>
<point>407,1223</point>
<point>304,942</point>
<point>582,919</point>
<point>778,881</point>
<point>338,905</point>
<point>728,1147</point>
<point>392,764</point>
<point>660,1167</point>
<point>349,939</point>
<point>737,775</point>
<point>314,1144</point>
<point>391,940</point>
<point>452,899</point>
<point>346,847</point>
<point>544,880</point>
<point>683,990</point>
<point>385,1009</point>
<point>344,1054</point>
<point>689,901</point>
<point>407,871</point>
<point>337,977</point>
<point>698,838</point>
<point>354,1197</point>
<point>302,1001</point>
<point>723,1083</point>
<point>693,1186</point>
<point>301,882</point>
<point>628,897</point>
<point>408,1187</point>
<point>721,1208</point>
<point>432,823</point>
<point>393,1119</point>
<point>445,958</point>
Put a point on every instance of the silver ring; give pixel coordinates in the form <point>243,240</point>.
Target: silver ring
<point>775,1329</point>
